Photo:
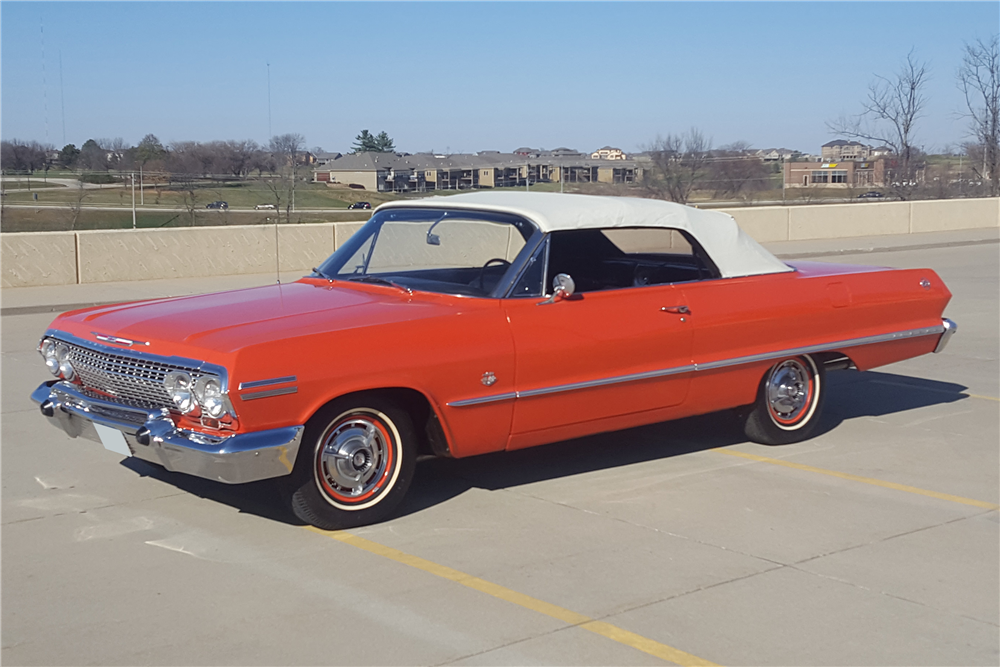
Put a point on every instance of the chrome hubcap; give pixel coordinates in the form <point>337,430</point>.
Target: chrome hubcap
<point>352,459</point>
<point>788,390</point>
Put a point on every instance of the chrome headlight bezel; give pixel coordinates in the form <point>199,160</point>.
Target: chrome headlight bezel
<point>180,386</point>
<point>47,348</point>
<point>66,370</point>
<point>211,397</point>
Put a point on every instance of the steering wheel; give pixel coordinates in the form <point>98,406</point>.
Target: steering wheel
<point>482,272</point>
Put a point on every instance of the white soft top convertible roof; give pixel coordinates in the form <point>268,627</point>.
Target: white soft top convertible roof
<point>732,250</point>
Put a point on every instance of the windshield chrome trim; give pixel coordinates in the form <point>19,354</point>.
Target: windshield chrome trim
<point>504,285</point>
<point>519,266</point>
<point>696,367</point>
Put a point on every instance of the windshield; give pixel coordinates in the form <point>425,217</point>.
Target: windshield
<point>435,250</point>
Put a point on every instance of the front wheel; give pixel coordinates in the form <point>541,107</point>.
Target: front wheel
<point>789,402</point>
<point>355,465</point>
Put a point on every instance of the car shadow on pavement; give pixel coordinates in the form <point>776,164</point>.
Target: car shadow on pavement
<point>850,395</point>
<point>261,498</point>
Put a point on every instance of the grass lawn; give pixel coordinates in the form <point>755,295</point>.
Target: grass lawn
<point>238,194</point>
<point>34,184</point>
<point>52,220</point>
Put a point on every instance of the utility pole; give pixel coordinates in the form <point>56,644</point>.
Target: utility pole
<point>142,193</point>
<point>133,200</point>
<point>269,135</point>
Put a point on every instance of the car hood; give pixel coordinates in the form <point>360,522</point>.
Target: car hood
<point>225,322</point>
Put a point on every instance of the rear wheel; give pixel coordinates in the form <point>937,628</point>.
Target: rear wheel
<point>789,402</point>
<point>355,465</point>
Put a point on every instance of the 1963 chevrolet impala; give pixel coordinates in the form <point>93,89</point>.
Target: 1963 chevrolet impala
<point>475,323</point>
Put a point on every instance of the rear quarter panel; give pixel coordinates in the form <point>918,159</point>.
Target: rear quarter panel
<point>818,304</point>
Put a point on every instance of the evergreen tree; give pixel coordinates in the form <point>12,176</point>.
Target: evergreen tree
<point>366,142</point>
<point>383,143</point>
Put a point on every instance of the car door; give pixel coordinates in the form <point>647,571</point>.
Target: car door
<point>598,354</point>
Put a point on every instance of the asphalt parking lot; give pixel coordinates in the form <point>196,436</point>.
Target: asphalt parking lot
<point>875,543</point>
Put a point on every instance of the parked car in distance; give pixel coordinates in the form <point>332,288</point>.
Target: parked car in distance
<point>475,323</point>
<point>264,207</point>
<point>871,194</point>
<point>217,204</point>
<point>360,204</point>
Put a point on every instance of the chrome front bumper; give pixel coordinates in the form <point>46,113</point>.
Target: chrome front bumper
<point>152,436</point>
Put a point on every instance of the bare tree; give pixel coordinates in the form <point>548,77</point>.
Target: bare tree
<point>238,156</point>
<point>889,116</point>
<point>286,148</point>
<point>29,156</point>
<point>979,81</point>
<point>736,172</point>
<point>119,153</point>
<point>678,165</point>
<point>76,205</point>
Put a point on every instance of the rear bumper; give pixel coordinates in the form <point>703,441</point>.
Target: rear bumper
<point>949,330</point>
<point>152,436</point>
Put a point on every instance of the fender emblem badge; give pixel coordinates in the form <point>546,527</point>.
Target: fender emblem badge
<point>489,378</point>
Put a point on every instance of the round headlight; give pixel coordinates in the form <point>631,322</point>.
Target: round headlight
<point>209,393</point>
<point>48,351</point>
<point>62,357</point>
<point>178,384</point>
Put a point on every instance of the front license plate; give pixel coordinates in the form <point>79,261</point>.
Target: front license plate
<point>113,440</point>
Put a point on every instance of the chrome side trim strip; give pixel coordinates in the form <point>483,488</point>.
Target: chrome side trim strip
<point>634,377</point>
<point>852,342</point>
<point>712,365</point>
<point>266,383</point>
<point>483,399</point>
<point>268,393</point>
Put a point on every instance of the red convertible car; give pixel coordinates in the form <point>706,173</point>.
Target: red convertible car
<point>474,323</point>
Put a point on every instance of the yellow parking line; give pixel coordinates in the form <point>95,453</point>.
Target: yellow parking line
<point>612,632</point>
<point>864,480</point>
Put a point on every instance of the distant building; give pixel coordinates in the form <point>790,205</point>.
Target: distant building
<point>394,172</point>
<point>608,153</point>
<point>845,174</point>
<point>842,149</point>
<point>326,158</point>
<point>776,154</point>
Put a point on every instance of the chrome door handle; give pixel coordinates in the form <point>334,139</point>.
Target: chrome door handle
<point>677,310</point>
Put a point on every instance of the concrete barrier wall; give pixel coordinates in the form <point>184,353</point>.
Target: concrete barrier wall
<point>62,258</point>
<point>767,224</point>
<point>38,258</point>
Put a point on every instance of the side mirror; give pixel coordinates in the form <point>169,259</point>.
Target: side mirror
<point>563,287</point>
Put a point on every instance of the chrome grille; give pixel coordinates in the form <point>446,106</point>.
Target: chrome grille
<point>125,379</point>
